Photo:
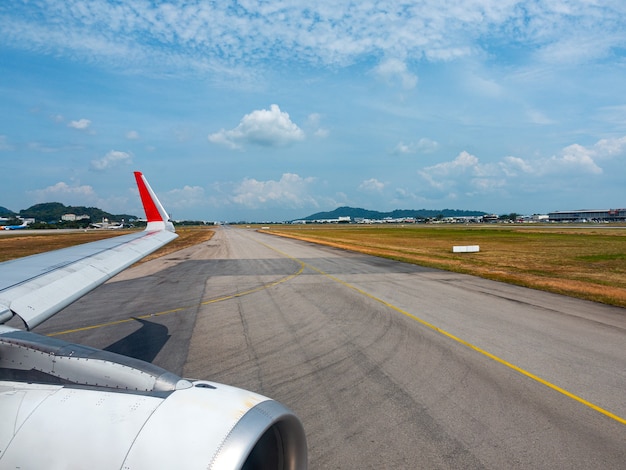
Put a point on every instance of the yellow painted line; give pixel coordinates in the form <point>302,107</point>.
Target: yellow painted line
<point>180,309</point>
<point>465,343</point>
<point>117,322</point>
<point>257,289</point>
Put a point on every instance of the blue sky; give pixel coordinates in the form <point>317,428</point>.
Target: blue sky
<point>274,110</point>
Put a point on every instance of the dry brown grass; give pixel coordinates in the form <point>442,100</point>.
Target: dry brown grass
<point>24,244</point>
<point>586,262</point>
<point>187,236</point>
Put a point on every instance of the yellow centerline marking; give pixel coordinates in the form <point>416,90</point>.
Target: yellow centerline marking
<point>462,341</point>
<point>377,299</point>
<point>180,309</point>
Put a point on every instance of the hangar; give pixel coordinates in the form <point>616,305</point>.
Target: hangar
<point>606,215</point>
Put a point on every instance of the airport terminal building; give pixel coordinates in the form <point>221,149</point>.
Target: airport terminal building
<point>608,215</point>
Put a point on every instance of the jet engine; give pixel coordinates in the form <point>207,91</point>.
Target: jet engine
<point>70,406</point>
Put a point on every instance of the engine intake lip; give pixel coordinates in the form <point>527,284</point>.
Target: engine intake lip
<point>268,436</point>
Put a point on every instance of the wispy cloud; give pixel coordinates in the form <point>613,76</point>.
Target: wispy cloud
<point>395,71</point>
<point>372,185</point>
<point>423,145</point>
<point>80,124</point>
<point>313,122</point>
<point>291,191</point>
<point>111,159</point>
<point>187,196</point>
<point>267,127</point>
<point>206,35</point>
<point>132,135</point>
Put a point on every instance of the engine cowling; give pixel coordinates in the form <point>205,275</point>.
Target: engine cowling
<point>131,414</point>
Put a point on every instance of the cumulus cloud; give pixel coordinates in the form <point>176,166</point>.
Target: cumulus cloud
<point>466,174</point>
<point>81,124</point>
<point>574,159</point>
<point>395,72</point>
<point>462,163</point>
<point>291,191</point>
<point>111,159</point>
<point>515,166</point>
<point>372,185</point>
<point>266,127</point>
<point>63,192</point>
<point>609,148</point>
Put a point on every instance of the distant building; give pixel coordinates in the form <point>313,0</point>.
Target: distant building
<point>604,215</point>
<point>73,217</point>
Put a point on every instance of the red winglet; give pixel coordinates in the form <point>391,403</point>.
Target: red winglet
<point>152,212</point>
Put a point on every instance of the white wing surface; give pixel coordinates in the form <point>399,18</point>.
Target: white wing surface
<point>38,286</point>
<point>64,405</point>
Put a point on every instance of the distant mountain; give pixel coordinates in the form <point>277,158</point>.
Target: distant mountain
<point>356,213</point>
<point>4,212</point>
<point>52,211</point>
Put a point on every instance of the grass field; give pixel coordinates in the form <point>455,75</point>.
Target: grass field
<point>584,262</point>
<point>587,262</point>
<point>19,244</point>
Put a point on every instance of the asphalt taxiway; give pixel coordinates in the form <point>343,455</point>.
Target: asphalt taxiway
<point>388,365</point>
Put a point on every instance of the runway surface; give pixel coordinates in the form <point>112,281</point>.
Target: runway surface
<point>388,365</point>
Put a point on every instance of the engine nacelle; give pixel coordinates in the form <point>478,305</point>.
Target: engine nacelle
<point>175,423</point>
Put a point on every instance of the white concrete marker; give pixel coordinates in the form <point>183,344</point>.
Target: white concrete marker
<point>466,249</point>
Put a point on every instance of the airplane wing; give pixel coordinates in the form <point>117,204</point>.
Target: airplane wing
<point>64,405</point>
<point>38,286</point>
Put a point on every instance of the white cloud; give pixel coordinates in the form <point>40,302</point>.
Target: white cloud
<point>467,175</point>
<point>188,196</point>
<point>63,192</point>
<point>515,166</point>
<point>537,117</point>
<point>576,49</point>
<point>372,185</point>
<point>132,135</point>
<point>313,122</point>
<point>111,159</point>
<point>209,36</point>
<point>463,163</point>
<point>608,148</point>
<point>574,159</point>
<point>80,124</point>
<point>484,86</point>
<point>291,191</point>
<point>395,71</point>
<point>424,145</point>
<point>270,128</point>
<point>464,175</point>
<point>403,148</point>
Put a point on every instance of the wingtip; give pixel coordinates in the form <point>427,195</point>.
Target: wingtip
<point>155,212</point>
